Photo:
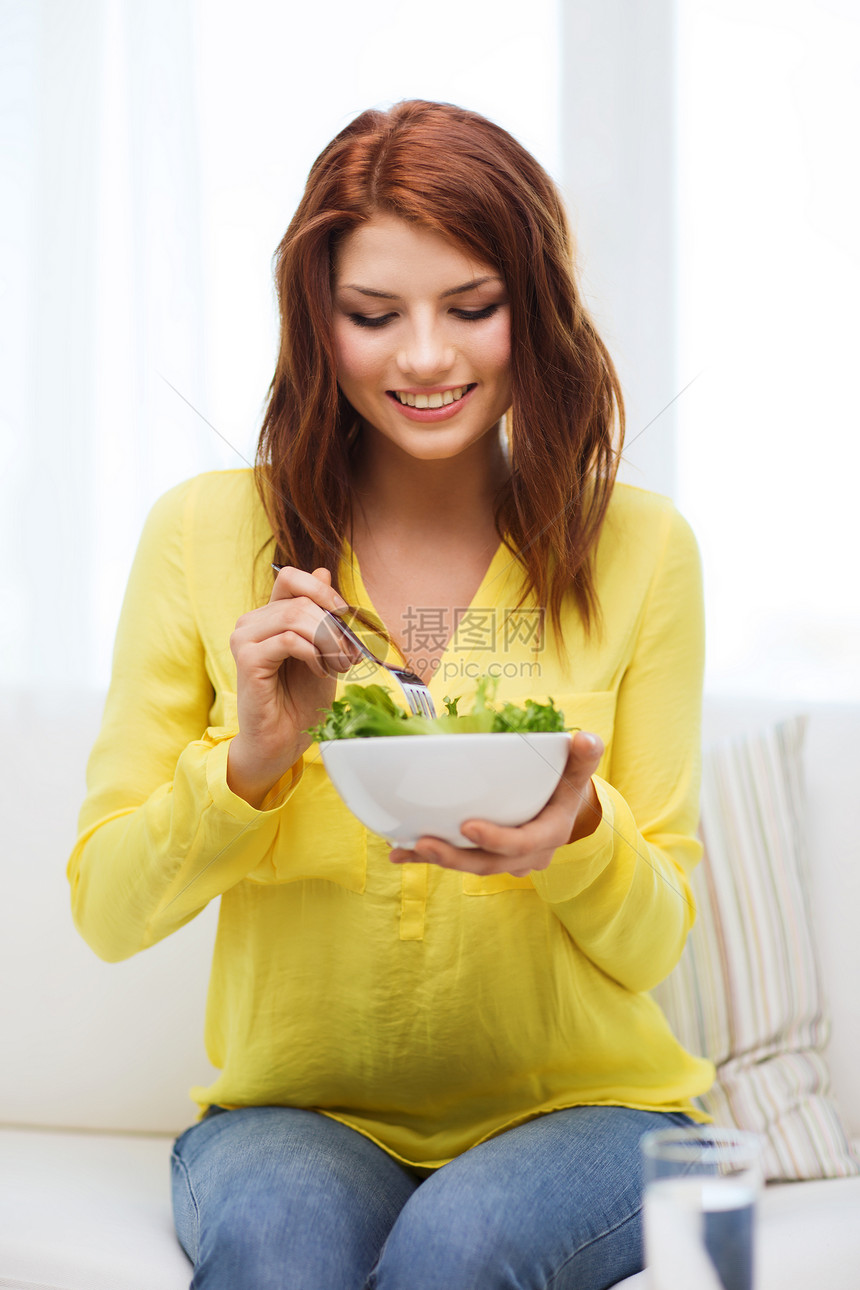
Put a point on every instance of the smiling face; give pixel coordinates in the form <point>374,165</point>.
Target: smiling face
<point>422,338</point>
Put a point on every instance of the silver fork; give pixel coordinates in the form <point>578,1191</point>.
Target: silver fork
<point>417,695</point>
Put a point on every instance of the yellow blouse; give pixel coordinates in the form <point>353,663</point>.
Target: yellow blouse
<point>427,1009</point>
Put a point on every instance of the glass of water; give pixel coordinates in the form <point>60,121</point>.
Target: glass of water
<point>701,1188</point>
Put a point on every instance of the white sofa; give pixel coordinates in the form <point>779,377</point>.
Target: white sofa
<point>97,1058</point>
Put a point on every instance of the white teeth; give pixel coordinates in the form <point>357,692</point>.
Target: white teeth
<point>431,400</point>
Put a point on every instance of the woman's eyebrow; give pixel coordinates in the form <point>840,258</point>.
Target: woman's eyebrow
<point>387,295</point>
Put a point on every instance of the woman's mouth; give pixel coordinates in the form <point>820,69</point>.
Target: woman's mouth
<point>431,400</point>
<point>437,405</point>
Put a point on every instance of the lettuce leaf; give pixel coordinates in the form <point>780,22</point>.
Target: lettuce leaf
<point>367,711</point>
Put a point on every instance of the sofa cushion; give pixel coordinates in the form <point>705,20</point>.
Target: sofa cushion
<point>746,993</point>
<point>86,1044</point>
<point>92,1212</point>
<point>807,1235</point>
<point>87,1212</point>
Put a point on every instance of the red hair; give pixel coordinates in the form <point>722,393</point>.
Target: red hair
<point>459,174</point>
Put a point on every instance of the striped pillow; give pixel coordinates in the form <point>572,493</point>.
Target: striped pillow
<point>746,992</point>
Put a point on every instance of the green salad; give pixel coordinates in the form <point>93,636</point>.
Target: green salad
<point>368,710</point>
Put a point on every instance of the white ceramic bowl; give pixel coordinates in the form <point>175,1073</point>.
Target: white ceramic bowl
<point>405,786</point>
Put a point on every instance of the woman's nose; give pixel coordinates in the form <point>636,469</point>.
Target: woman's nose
<point>426,352</point>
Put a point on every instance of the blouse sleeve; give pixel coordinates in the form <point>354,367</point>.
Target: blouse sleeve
<point>160,832</point>
<point>623,893</point>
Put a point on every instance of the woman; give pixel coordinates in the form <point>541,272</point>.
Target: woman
<point>435,1064</point>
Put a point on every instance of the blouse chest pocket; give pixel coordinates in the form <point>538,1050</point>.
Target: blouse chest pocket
<point>590,711</point>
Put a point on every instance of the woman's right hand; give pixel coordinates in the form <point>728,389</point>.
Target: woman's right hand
<point>287,662</point>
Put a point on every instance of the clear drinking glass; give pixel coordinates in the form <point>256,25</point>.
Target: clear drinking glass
<point>701,1188</point>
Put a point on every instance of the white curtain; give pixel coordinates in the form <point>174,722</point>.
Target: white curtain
<point>769,437</point>
<point>102,266</point>
<point>152,154</point>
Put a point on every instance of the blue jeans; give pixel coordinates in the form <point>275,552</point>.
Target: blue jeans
<point>274,1198</point>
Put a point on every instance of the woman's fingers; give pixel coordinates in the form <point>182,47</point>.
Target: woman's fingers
<point>471,860</point>
<point>288,653</point>
<point>557,817</point>
<point>292,631</point>
<point>316,586</point>
<point>586,749</point>
<point>530,846</point>
<point>295,614</point>
<point>291,644</point>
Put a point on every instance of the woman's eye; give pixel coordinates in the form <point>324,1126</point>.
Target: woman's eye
<point>362,320</point>
<point>466,315</point>
<point>475,315</point>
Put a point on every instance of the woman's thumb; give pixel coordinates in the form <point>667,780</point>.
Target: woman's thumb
<point>587,747</point>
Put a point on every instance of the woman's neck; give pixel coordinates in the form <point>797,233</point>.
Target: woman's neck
<point>399,493</point>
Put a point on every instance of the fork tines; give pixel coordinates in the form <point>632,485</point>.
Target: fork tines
<point>417,694</point>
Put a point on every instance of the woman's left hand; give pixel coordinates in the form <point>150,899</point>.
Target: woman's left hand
<point>573,812</point>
